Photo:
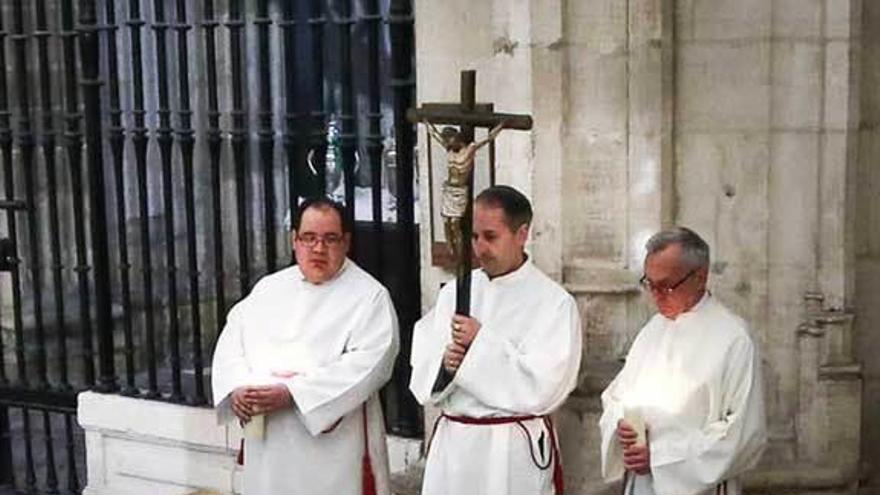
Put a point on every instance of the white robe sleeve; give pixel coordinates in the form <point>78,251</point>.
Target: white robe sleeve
<point>612,413</point>
<point>229,369</point>
<point>329,392</point>
<point>431,334</point>
<point>533,377</point>
<point>426,357</point>
<point>684,462</point>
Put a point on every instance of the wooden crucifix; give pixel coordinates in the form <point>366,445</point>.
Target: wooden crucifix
<point>457,209</point>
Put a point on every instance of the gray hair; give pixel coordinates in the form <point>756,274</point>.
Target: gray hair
<point>694,250</point>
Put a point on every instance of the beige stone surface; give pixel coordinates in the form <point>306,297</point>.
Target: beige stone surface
<point>723,85</point>
<point>867,246</point>
<point>799,19</point>
<point>743,124</point>
<point>712,20</point>
<point>797,84</point>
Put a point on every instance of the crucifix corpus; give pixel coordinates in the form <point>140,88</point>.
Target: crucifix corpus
<point>457,193</point>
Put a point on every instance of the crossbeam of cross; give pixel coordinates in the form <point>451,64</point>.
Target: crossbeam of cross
<point>467,115</point>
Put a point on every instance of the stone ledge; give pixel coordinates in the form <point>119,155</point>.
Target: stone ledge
<point>408,482</point>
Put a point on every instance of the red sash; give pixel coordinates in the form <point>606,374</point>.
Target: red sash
<point>558,482</point>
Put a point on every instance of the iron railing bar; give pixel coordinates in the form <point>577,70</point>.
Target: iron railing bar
<point>26,160</point>
<point>239,137</point>
<point>30,475</point>
<point>26,396</point>
<point>117,149</point>
<point>400,23</point>
<point>214,138</point>
<point>6,151</point>
<point>72,477</point>
<point>297,120</point>
<point>374,131</point>
<point>7,473</point>
<point>91,83</point>
<point>140,140</point>
<point>37,404</point>
<point>49,157</point>
<point>165,140</point>
<point>348,128</point>
<point>265,132</point>
<point>14,204</point>
<point>73,139</point>
<point>187,142</point>
<point>41,25</point>
<point>290,134</point>
<point>51,474</point>
<point>318,134</point>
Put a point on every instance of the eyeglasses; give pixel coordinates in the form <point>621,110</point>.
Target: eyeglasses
<point>311,240</point>
<point>649,286</point>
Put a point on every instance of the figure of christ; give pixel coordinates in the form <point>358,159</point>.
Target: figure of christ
<point>459,164</point>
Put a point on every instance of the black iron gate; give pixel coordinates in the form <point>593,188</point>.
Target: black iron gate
<point>150,152</point>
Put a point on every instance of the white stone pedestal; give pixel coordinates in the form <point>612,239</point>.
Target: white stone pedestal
<point>136,446</point>
<point>143,447</point>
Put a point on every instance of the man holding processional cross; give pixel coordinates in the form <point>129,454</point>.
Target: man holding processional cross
<point>500,350</point>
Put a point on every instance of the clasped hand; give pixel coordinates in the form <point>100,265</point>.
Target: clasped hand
<point>251,401</point>
<point>636,458</point>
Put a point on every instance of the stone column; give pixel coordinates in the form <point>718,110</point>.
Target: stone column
<point>867,238</point>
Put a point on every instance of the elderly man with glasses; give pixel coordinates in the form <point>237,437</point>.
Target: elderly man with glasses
<point>300,363</point>
<point>685,415</point>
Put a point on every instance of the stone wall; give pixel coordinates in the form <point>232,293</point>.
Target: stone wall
<point>764,140</point>
<point>737,118</point>
<point>867,252</point>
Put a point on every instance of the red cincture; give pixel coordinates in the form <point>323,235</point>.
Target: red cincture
<point>368,481</point>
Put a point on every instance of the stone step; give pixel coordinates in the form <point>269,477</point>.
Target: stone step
<point>408,482</point>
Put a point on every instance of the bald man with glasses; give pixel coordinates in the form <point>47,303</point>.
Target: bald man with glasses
<point>685,415</point>
<point>300,364</point>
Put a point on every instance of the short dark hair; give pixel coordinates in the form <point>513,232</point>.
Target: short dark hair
<point>694,250</point>
<point>321,203</point>
<point>516,206</point>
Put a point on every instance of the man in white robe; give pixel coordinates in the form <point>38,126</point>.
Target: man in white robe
<point>692,378</point>
<point>498,374</point>
<point>307,351</point>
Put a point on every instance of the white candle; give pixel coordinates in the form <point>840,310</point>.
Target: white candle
<point>634,419</point>
<point>255,429</point>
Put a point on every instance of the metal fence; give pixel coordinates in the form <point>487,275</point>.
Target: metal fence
<point>151,151</point>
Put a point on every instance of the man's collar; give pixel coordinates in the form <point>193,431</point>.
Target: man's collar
<point>302,277</point>
<point>513,275</point>
<point>701,303</point>
<point>696,308</point>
